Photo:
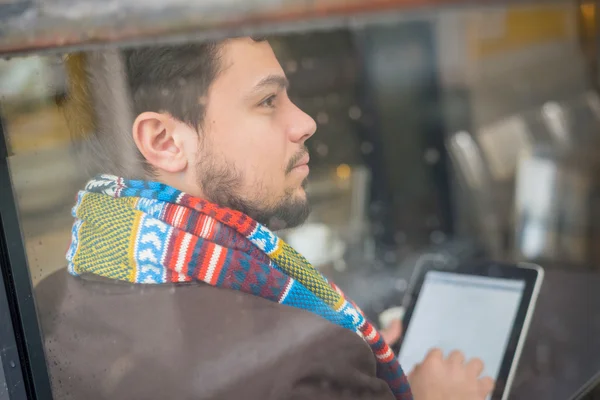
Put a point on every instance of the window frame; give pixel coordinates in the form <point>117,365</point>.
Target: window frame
<point>22,354</point>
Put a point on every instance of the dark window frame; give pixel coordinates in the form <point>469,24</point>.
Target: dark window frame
<point>22,354</point>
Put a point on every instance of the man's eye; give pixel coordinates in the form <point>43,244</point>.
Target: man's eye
<point>269,102</point>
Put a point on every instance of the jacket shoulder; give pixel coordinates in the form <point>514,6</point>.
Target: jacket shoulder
<point>106,339</point>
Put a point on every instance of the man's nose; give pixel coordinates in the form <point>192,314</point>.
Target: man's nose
<point>303,126</point>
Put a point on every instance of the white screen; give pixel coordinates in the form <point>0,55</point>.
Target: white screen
<point>473,314</point>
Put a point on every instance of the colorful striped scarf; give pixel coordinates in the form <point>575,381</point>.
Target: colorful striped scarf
<point>150,233</point>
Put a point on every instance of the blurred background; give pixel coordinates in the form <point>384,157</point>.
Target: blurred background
<point>443,135</point>
<point>461,132</point>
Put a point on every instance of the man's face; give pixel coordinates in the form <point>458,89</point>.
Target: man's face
<point>252,155</point>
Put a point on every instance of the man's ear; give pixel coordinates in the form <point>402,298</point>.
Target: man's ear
<point>156,136</point>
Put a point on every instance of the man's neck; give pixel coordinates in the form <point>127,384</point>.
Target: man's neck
<point>181,181</point>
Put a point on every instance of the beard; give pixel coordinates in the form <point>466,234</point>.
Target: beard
<point>221,182</point>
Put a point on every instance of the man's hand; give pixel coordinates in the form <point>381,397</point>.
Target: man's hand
<point>439,378</point>
<point>451,378</point>
<point>392,332</point>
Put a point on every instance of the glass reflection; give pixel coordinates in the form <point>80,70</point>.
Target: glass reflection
<point>430,137</point>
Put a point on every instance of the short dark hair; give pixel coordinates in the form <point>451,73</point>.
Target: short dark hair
<point>173,79</point>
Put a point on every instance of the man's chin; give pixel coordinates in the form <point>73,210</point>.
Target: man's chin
<point>291,214</point>
<point>300,195</point>
<point>291,211</point>
<point>301,191</point>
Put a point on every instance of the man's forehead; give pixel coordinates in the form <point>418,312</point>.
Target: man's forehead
<point>248,63</point>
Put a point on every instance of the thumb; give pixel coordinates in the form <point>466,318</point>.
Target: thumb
<point>392,333</point>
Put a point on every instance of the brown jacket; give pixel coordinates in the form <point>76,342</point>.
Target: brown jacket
<point>111,340</point>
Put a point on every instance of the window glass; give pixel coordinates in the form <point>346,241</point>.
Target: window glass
<point>431,132</point>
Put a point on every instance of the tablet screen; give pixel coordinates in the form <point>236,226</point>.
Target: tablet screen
<point>474,314</point>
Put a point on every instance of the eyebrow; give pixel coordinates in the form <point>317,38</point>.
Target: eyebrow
<point>272,80</point>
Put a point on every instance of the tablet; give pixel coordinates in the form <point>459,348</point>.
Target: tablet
<point>482,309</point>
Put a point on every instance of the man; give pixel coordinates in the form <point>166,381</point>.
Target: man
<point>179,289</point>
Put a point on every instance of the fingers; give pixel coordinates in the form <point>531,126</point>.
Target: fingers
<point>475,366</point>
<point>434,360</point>
<point>451,376</point>
<point>392,333</point>
<point>456,358</point>
<point>486,385</point>
<point>413,372</point>
<point>434,354</point>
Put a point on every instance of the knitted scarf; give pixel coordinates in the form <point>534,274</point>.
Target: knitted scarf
<point>150,233</point>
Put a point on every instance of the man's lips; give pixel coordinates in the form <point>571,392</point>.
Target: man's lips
<point>303,161</point>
